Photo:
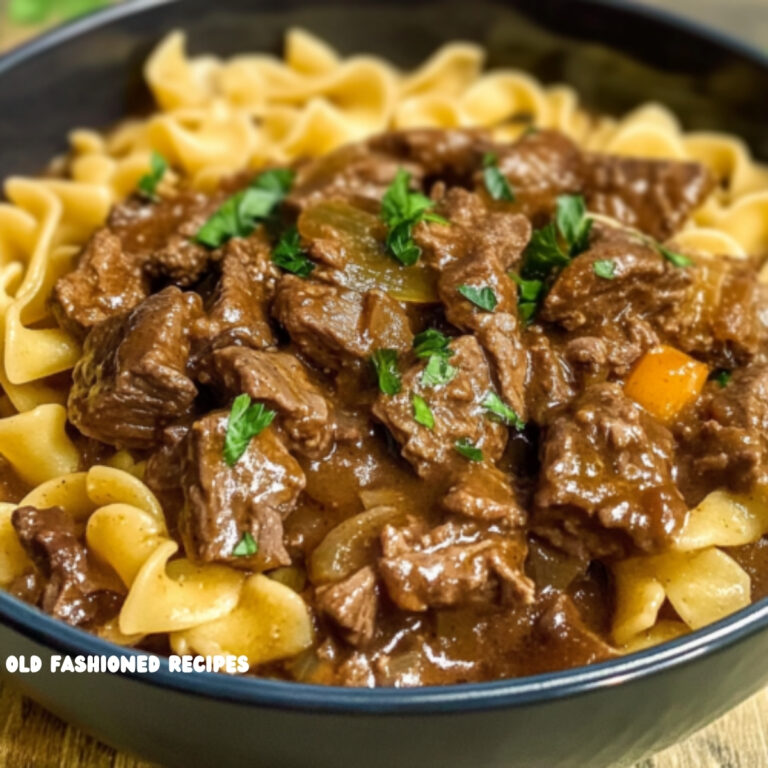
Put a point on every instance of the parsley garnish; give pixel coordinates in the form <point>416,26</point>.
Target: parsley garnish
<point>147,185</point>
<point>288,254</point>
<point>529,293</point>
<point>245,421</point>
<point>431,342</point>
<point>422,413</point>
<point>246,547</point>
<point>481,296</point>
<point>238,215</point>
<point>495,181</point>
<point>468,450</point>
<point>605,268</point>
<point>677,259</point>
<point>438,371</point>
<point>722,377</point>
<point>401,210</point>
<point>500,411</point>
<point>543,254</point>
<point>385,363</point>
<point>573,223</point>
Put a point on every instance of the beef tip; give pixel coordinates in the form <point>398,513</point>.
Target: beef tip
<point>453,155</point>
<point>352,604</point>
<point>453,564</point>
<point>351,172</point>
<point>163,474</point>
<point>561,631</point>
<point>281,381</point>
<point>457,409</point>
<point>607,480</point>
<point>131,381</point>
<point>624,311</point>
<point>551,380</point>
<point>106,282</point>
<point>223,503</point>
<point>77,589</point>
<point>484,492</point>
<point>724,440</point>
<point>722,319</point>
<point>334,326</point>
<point>239,310</point>
<point>654,196</point>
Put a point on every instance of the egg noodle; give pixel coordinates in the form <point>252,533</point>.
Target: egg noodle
<point>217,117</point>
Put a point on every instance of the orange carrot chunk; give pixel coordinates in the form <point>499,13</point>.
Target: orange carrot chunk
<point>665,380</point>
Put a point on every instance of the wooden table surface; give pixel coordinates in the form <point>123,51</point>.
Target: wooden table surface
<point>32,738</point>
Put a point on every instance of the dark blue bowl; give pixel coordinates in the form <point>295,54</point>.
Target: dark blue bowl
<point>612,713</point>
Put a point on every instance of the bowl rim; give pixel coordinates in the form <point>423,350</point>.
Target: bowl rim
<point>56,635</point>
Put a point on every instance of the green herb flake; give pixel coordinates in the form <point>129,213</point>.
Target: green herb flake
<point>500,411</point>
<point>605,268</point>
<point>422,413</point>
<point>289,255</point>
<point>573,223</point>
<point>385,363</point>
<point>527,310</point>
<point>495,182</point>
<point>438,371</point>
<point>722,377</point>
<point>543,254</point>
<point>238,215</point>
<point>401,210</point>
<point>677,259</point>
<point>481,296</point>
<point>431,342</point>
<point>528,290</point>
<point>246,547</point>
<point>245,421</point>
<point>469,451</point>
<point>147,185</point>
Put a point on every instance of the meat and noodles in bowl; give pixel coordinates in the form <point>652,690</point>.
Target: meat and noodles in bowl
<point>385,378</point>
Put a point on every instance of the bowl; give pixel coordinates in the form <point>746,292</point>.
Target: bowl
<point>613,713</point>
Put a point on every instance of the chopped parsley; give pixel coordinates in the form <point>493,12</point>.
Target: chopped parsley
<point>677,259</point>
<point>422,413</point>
<point>431,342</point>
<point>401,210</point>
<point>147,185</point>
<point>246,547</point>
<point>481,296</point>
<point>438,371</point>
<point>605,268</point>
<point>529,293</point>
<point>245,421</point>
<point>239,214</point>
<point>543,254</point>
<point>500,411</point>
<point>385,363</point>
<point>573,224</point>
<point>289,255</point>
<point>722,377</point>
<point>469,451</point>
<point>495,181</point>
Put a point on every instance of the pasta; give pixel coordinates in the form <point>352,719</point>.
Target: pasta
<point>220,117</point>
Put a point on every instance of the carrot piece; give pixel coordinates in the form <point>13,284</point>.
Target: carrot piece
<point>665,380</point>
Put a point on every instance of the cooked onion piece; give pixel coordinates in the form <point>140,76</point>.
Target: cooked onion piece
<point>168,597</point>
<point>270,622</point>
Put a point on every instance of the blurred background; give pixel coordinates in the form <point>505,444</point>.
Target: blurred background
<point>746,18</point>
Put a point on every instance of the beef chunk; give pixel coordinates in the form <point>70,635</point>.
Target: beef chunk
<point>453,564</point>
<point>624,311</point>
<point>561,630</point>
<point>163,474</point>
<point>484,492</point>
<point>106,282</point>
<point>551,380</point>
<point>457,409</point>
<point>77,589</point>
<point>223,503</point>
<point>131,380</point>
<point>239,311</point>
<point>724,441</point>
<point>281,381</point>
<point>335,327</point>
<point>607,482</point>
<point>654,196</point>
<point>352,604</point>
